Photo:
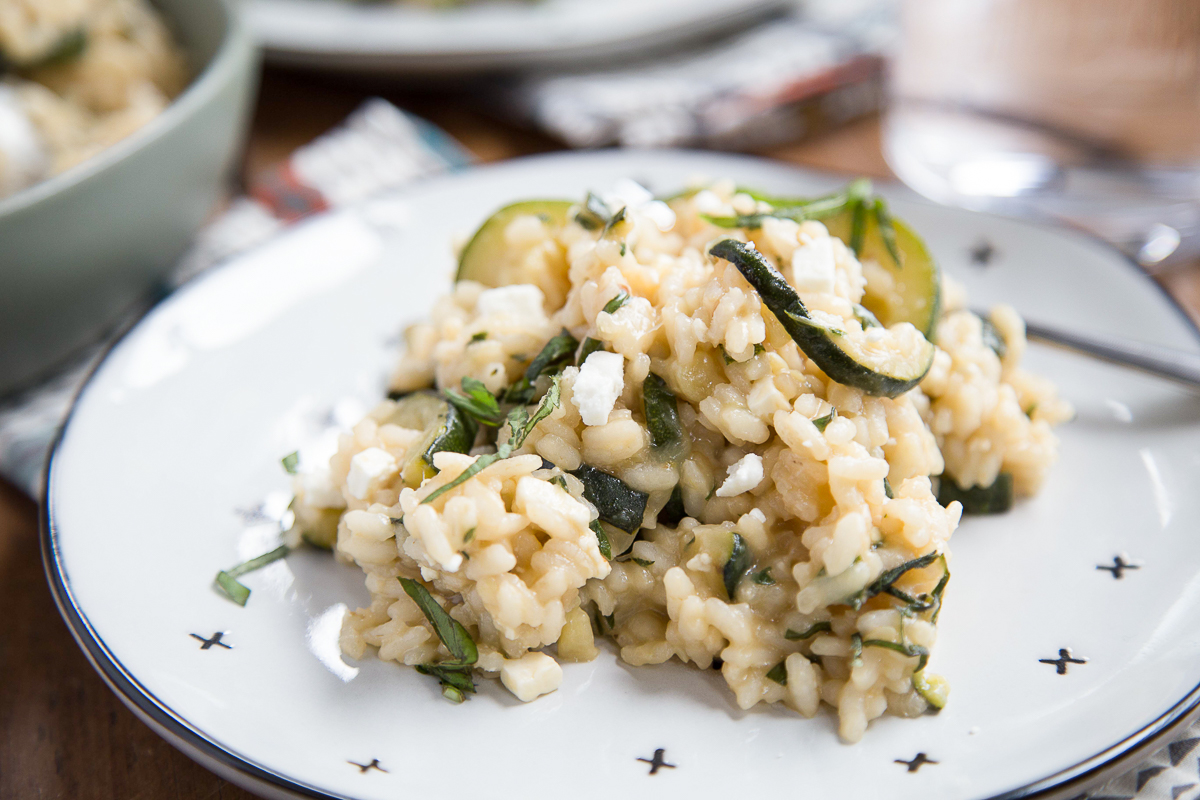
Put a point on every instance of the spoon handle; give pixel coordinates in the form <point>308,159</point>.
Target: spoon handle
<point>1165,362</point>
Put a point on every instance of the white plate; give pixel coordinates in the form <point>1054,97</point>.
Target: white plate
<point>180,432</point>
<point>489,35</point>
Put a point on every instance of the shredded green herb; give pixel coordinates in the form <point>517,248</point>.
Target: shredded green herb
<point>520,425</point>
<point>601,539</point>
<point>478,403</point>
<point>612,305</point>
<point>612,221</point>
<point>479,337</point>
<point>823,422</point>
<point>856,648</point>
<point>661,409</point>
<point>778,673</point>
<point>912,650</point>
<point>553,357</point>
<point>643,562</point>
<point>469,536</point>
<point>290,462</point>
<point>227,581</point>
<point>887,490</point>
<point>588,347</point>
<point>884,582</point>
<point>823,626</point>
<point>455,674</point>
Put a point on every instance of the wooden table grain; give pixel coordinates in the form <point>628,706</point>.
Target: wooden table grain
<point>63,734</point>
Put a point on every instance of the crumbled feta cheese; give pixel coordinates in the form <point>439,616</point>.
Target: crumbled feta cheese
<point>600,382</point>
<point>367,468</point>
<point>638,201</point>
<point>813,266</point>
<point>743,476</point>
<point>531,676</point>
<point>707,202</point>
<point>701,562</point>
<point>518,300</point>
<point>23,158</point>
<point>319,491</point>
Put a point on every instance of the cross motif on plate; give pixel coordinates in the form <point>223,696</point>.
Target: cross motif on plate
<point>215,639</point>
<point>657,761</point>
<point>1064,658</point>
<point>983,253</point>
<point>1119,566</point>
<point>918,761</point>
<point>365,768</point>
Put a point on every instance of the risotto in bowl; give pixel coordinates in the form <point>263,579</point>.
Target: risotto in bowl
<point>721,428</point>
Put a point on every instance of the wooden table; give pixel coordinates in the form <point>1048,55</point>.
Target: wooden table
<point>63,734</point>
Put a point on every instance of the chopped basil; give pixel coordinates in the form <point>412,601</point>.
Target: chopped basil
<point>588,347</point>
<point>736,566</point>
<point>227,579</point>
<point>884,582</point>
<point>823,626</point>
<point>662,413</point>
<point>856,648</point>
<point>453,635</point>
<point>643,562</point>
<point>778,673</point>
<point>601,539</point>
<point>763,577</point>
<point>623,248</point>
<point>290,462</point>
<point>823,422</point>
<point>617,503</point>
<point>479,337</point>
<point>612,305</point>
<point>478,403</point>
<point>865,317</point>
<point>613,220</point>
<point>520,425</point>
<point>725,355</point>
<point>912,650</point>
<point>595,213</point>
<point>469,536</point>
<point>552,358</point>
<point>396,394</point>
<point>887,490</point>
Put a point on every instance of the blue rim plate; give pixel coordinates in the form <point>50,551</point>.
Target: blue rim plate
<point>168,470</point>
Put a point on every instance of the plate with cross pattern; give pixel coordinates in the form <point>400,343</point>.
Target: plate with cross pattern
<point>1068,634</point>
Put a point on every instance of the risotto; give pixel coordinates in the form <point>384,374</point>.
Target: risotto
<point>76,76</point>
<point>725,428</point>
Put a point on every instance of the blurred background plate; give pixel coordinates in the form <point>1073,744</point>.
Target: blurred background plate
<point>408,38</point>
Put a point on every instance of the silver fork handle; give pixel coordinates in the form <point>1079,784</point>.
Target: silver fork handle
<point>1165,362</point>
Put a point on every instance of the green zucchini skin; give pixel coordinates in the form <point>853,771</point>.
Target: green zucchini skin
<point>618,504</point>
<point>673,512</point>
<point>993,338</point>
<point>445,428</point>
<point>994,499</point>
<point>662,413</point>
<point>818,342</point>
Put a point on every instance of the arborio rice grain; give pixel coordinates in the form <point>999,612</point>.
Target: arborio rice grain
<point>827,488</point>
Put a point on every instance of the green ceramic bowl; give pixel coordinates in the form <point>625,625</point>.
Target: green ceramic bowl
<point>79,251</point>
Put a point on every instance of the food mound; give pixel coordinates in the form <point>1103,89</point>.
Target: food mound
<point>706,428</point>
<point>75,77</point>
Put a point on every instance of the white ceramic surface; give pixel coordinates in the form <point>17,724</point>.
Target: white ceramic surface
<point>169,470</point>
<point>488,35</point>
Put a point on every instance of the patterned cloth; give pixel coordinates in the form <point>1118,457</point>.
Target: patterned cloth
<point>378,148</point>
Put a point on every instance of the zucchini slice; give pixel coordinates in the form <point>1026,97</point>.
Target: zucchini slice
<point>319,526</point>
<point>994,499</point>
<point>933,688</point>
<point>662,413</point>
<point>617,503</point>
<point>492,260</point>
<point>885,362</point>
<point>728,551</point>
<point>911,291</point>
<point>443,427</point>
